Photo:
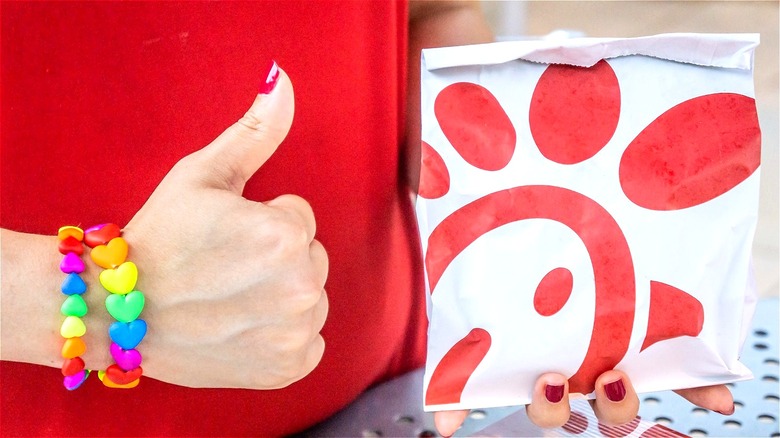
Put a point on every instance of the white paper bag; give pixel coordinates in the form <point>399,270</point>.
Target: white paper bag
<point>585,205</point>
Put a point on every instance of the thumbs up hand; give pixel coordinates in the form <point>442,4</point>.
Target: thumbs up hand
<point>235,288</point>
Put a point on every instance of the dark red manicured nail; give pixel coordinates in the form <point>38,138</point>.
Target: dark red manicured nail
<point>615,391</point>
<point>553,393</point>
<point>271,76</point>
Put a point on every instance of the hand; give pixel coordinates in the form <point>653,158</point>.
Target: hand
<point>235,288</point>
<point>612,406</point>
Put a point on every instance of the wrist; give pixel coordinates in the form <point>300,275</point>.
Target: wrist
<point>31,301</point>
<point>30,327</point>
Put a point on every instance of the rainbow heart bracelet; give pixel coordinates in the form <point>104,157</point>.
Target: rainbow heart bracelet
<point>119,277</point>
<point>74,307</point>
<point>109,251</point>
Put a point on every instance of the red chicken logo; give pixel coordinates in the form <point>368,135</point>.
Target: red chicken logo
<point>692,153</point>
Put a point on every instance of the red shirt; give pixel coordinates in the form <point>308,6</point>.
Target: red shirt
<point>99,100</point>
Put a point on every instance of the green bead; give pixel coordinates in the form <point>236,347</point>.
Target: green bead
<point>74,305</point>
<point>125,308</point>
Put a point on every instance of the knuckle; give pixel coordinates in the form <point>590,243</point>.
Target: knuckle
<point>297,234</point>
<point>292,201</point>
<point>319,254</point>
<point>252,126</point>
<point>294,369</point>
<point>305,297</point>
<point>295,209</point>
<point>286,361</point>
<point>288,375</point>
<point>289,234</point>
<point>300,339</point>
<point>291,343</point>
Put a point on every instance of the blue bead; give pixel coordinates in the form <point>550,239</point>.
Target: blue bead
<point>127,334</point>
<point>73,284</point>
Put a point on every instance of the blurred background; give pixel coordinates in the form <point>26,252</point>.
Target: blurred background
<point>642,18</point>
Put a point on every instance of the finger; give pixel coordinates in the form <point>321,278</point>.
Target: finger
<point>447,422</point>
<point>549,402</point>
<point>319,258</point>
<point>616,401</point>
<point>312,358</point>
<point>716,398</point>
<point>320,313</point>
<point>300,209</point>
<point>233,157</point>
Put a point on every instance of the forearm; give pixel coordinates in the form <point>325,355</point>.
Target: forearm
<point>435,24</point>
<point>30,300</point>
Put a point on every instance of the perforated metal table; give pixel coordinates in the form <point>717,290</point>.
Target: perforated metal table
<point>395,408</point>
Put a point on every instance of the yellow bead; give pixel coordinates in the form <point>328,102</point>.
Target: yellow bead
<point>120,280</point>
<point>73,327</point>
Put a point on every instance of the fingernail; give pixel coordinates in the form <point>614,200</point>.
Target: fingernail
<point>730,412</point>
<point>615,391</point>
<point>553,393</point>
<point>271,76</point>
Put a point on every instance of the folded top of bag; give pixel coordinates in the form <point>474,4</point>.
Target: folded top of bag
<point>716,50</point>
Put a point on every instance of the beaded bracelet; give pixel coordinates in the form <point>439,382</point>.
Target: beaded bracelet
<point>109,251</point>
<point>73,308</point>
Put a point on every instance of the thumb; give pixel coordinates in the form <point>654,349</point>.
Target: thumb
<point>448,422</point>
<point>233,157</point>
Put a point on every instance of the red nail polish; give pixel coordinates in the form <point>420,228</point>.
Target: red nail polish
<point>271,76</point>
<point>615,391</point>
<point>553,393</point>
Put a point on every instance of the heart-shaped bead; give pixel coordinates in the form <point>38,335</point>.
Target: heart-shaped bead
<point>73,284</point>
<point>71,263</point>
<point>109,384</point>
<point>101,234</point>
<point>74,305</point>
<point>70,244</point>
<point>120,280</point>
<point>122,377</point>
<point>74,381</point>
<point>127,334</point>
<point>72,366</point>
<point>73,347</point>
<point>70,231</point>
<point>125,308</point>
<point>111,254</point>
<point>72,327</point>
<point>126,359</point>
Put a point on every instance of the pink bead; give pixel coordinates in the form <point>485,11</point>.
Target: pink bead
<point>94,228</point>
<point>74,381</point>
<point>72,263</point>
<point>126,359</point>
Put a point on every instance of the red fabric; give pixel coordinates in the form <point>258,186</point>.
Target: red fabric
<point>99,100</point>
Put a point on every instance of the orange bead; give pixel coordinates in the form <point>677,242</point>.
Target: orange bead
<point>73,347</point>
<point>107,382</point>
<point>110,255</point>
<point>70,231</point>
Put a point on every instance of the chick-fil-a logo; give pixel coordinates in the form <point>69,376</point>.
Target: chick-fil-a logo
<point>573,114</point>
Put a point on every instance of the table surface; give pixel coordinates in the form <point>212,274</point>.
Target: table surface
<point>395,408</point>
